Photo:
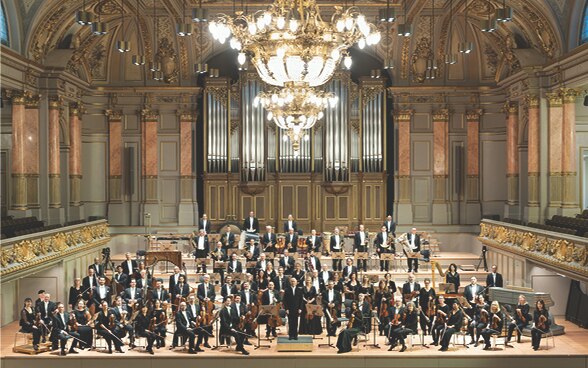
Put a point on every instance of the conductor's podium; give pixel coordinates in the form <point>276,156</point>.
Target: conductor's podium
<point>304,343</point>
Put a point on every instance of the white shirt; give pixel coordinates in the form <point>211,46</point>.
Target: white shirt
<point>63,319</point>
<point>263,265</point>
<point>316,284</point>
<point>234,265</point>
<point>102,291</point>
<point>130,265</point>
<point>313,239</point>
<point>271,297</point>
<point>494,277</point>
<point>205,290</point>
<point>158,293</point>
<point>247,296</point>
<point>313,262</point>
<point>228,234</point>
<point>193,308</point>
<point>204,224</point>
<point>293,291</point>
<point>238,309</point>
<point>91,279</point>
<point>290,225</point>
<point>384,238</point>
<point>176,276</point>
<point>185,316</point>
<point>132,292</point>
<point>349,269</point>
<point>325,276</point>
<point>411,285</point>
<point>200,243</point>
<point>252,249</point>
<point>46,309</point>
<point>250,224</point>
<point>362,237</point>
<point>331,295</point>
<point>412,237</point>
<point>337,244</point>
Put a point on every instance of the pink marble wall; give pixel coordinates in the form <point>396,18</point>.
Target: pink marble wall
<point>440,147</point>
<point>31,132</point>
<point>185,148</point>
<point>512,138</point>
<point>569,137</point>
<point>404,147</point>
<point>555,138</point>
<point>18,138</point>
<point>75,145</point>
<point>473,127</point>
<point>53,141</point>
<point>115,147</point>
<point>533,140</point>
<point>151,148</point>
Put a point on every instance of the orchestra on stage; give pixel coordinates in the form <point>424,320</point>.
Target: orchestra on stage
<point>291,283</point>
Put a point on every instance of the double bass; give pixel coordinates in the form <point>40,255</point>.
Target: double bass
<point>275,321</point>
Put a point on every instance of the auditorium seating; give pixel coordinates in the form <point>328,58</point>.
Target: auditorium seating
<point>577,225</point>
<point>12,227</point>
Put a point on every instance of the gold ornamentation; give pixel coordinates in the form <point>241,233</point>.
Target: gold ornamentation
<point>166,55</point>
<point>150,115</point>
<point>421,54</point>
<point>441,115</point>
<point>554,99</point>
<point>532,101</point>
<point>404,115</point>
<point>474,115</point>
<point>543,31</point>
<point>114,115</point>
<point>569,95</point>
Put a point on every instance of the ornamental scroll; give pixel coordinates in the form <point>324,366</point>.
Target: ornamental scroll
<point>561,252</point>
<point>19,255</point>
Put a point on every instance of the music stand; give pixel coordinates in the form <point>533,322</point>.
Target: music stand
<point>250,264</point>
<point>388,257</point>
<point>329,344</point>
<point>237,251</point>
<point>337,255</point>
<point>317,311</point>
<point>200,262</point>
<point>449,288</point>
<point>219,264</point>
<point>374,279</point>
<point>265,310</point>
<point>270,256</point>
<point>375,321</point>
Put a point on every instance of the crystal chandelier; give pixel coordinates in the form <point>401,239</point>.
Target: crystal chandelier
<point>295,108</point>
<point>290,42</point>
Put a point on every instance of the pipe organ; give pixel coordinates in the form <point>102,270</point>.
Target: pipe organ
<point>337,177</point>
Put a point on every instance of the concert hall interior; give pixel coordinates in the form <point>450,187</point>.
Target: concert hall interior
<point>298,183</point>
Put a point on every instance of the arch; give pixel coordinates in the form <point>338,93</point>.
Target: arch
<point>584,26</point>
<point>11,24</point>
<point>4,34</point>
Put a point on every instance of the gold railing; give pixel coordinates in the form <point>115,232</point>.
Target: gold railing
<point>566,254</point>
<point>20,253</point>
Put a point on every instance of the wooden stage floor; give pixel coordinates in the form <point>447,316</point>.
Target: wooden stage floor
<point>570,351</point>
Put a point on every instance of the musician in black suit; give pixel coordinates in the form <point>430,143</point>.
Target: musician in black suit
<point>331,304</point>
<point>171,286</point>
<point>229,325</point>
<point>411,286</point>
<point>414,242</point>
<point>132,293</point>
<point>360,244</point>
<point>61,331</point>
<point>204,224</point>
<point>219,255</point>
<point>349,269</point>
<point>159,293</point>
<point>201,247</point>
<point>101,292</point>
<point>390,225</point>
<point>384,244</point>
<point>248,296</point>
<point>520,319</point>
<point>124,324</point>
<point>181,290</point>
<point>251,224</point>
<point>336,244</point>
<point>312,263</point>
<point>234,265</point>
<point>183,327</point>
<point>269,240</point>
<point>46,308</point>
<point>292,241</point>
<point>290,224</point>
<point>314,241</point>
<point>281,280</point>
<point>120,277</point>
<point>324,276</point>
<point>494,279</point>
<point>270,297</point>
<point>453,325</point>
<point>107,330</point>
<point>228,288</point>
<point>228,239</point>
<point>129,265</point>
<point>144,280</point>
<point>287,262</point>
<point>205,290</point>
<point>98,267</point>
<point>472,290</point>
<point>293,307</point>
<point>89,281</point>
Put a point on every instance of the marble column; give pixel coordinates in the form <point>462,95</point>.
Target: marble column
<point>149,169</point>
<point>54,162</point>
<point>186,215</point>
<point>569,204</point>
<point>115,150</point>
<point>533,158</point>
<point>404,214</point>
<point>512,160</point>
<point>32,152</point>
<point>473,206</point>
<point>19,153</point>
<point>441,205</point>
<point>75,162</point>
<point>555,112</point>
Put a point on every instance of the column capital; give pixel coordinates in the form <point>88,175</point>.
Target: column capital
<point>569,95</point>
<point>150,115</point>
<point>532,101</point>
<point>55,102</point>
<point>404,115</point>
<point>114,115</point>
<point>75,109</point>
<point>186,116</point>
<point>474,115</point>
<point>511,108</point>
<point>441,115</point>
<point>553,99</point>
<point>32,100</point>
<point>15,96</point>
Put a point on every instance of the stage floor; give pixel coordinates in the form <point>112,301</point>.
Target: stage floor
<point>571,347</point>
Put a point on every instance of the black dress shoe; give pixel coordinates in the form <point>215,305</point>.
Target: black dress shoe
<point>443,349</point>
<point>150,351</point>
<point>471,342</point>
<point>487,347</point>
<point>191,351</point>
<point>244,352</point>
<point>340,351</point>
<point>391,348</point>
<point>403,348</point>
<point>198,349</point>
<point>119,350</point>
<point>274,334</point>
<point>72,351</point>
<point>246,343</point>
<point>63,353</point>
<point>207,345</point>
<point>36,347</point>
<point>476,344</point>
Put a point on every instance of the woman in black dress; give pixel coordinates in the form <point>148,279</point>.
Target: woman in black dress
<point>270,273</point>
<point>390,282</point>
<point>142,324</point>
<point>346,336</point>
<point>261,281</point>
<point>75,293</point>
<point>298,273</point>
<point>352,286</point>
<point>83,318</point>
<point>541,324</point>
<point>427,297</point>
<point>160,323</point>
<point>310,326</point>
<point>27,322</point>
<point>366,288</point>
<point>338,283</point>
<point>452,277</point>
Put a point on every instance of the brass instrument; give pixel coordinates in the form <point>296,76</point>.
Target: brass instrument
<point>389,241</point>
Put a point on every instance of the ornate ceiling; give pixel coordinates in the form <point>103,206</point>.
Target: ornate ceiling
<point>52,37</point>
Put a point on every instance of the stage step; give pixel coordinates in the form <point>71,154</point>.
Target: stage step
<point>28,348</point>
<point>304,343</point>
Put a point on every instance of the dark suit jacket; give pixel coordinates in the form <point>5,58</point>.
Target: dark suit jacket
<point>184,291</point>
<point>206,245</point>
<point>252,297</point>
<point>406,288</point>
<point>336,298</point>
<point>417,240</point>
<point>164,294</point>
<point>127,294</point>
<point>292,302</point>
<point>266,239</point>
<point>149,283</point>
<point>201,226</point>
<point>226,321</point>
<point>118,315</point>
<point>346,272</point>
<point>123,279</point>
<point>58,324</point>
<point>390,227</point>
<point>231,240</point>
<point>172,283</point>
<point>490,280</point>
<point>357,245</point>
<point>238,268</point>
<point>265,297</point>
<point>333,242</point>
<point>232,289</point>
<point>40,308</point>
<point>322,281</point>
<point>288,268</point>
<point>317,263</point>
<point>96,295</point>
<point>181,323</point>
<point>86,282</point>
<point>380,240</point>
<point>294,242</point>
<point>258,265</point>
<point>247,223</point>
<point>98,269</point>
<point>126,268</point>
<point>200,292</point>
<point>294,226</point>
<point>318,241</point>
<point>469,293</point>
<point>285,282</point>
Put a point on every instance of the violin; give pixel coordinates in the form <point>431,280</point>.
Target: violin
<point>275,321</point>
<point>441,317</point>
<point>484,316</point>
<point>542,323</point>
<point>351,320</point>
<point>432,308</point>
<point>396,320</point>
<point>333,313</point>
<point>38,321</point>
<point>521,316</point>
<point>73,323</point>
<point>207,308</point>
<point>383,307</point>
<point>111,321</point>
<point>152,324</point>
<point>495,320</point>
<point>250,317</point>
